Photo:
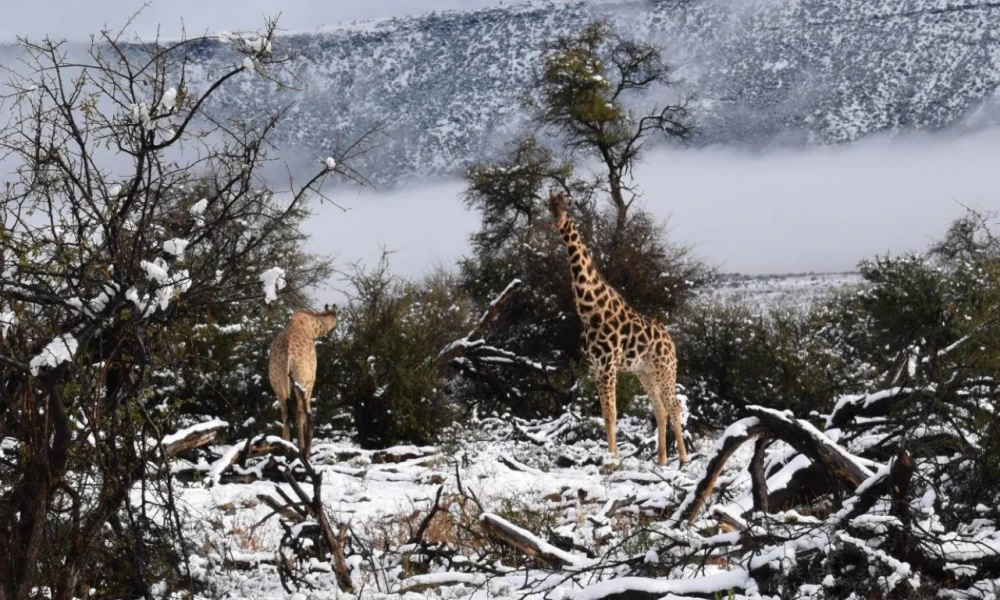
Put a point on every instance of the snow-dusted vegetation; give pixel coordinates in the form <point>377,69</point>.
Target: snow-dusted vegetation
<point>844,429</point>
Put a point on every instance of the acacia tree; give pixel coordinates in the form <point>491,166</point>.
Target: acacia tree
<point>587,82</point>
<point>130,211</point>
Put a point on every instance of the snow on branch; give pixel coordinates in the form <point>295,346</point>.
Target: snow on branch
<point>643,588</point>
<point>734,437</point>
<point>808,441</point>
<point>273,281</point>
<point>460,346</point>
<point>59,350</point>
<point>530,544</point>
<point>852,405</point>
<point>192,437</point>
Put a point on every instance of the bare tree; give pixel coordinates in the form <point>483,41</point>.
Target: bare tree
<point>129,210</point>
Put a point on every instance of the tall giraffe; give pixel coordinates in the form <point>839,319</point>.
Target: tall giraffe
<point>617,338</point>
<point>292,368</point>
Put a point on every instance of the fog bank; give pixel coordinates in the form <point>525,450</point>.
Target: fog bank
<point>821,209</point>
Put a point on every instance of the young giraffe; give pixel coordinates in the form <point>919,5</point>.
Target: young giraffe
<point>292,368</point>
<point>617,338</point>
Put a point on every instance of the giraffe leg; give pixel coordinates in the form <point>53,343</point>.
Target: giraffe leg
<point>308,420</point>
<point>673,407</point>
<point>283,400</point>
<point>300,419</point>
<point>286,432</point>
<point>606,378</point>
<point>675,421</point>
<point>660,410</point>
<point>295,408</point>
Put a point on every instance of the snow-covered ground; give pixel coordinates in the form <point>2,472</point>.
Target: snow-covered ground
<point>512,467</point>
<point>591,531</point>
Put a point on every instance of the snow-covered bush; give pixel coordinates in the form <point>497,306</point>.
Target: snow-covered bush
<point>733,353</point>
<point>383,366</point>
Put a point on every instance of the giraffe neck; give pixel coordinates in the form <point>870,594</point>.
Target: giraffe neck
<point>588,285</point>
<point>315,326</point>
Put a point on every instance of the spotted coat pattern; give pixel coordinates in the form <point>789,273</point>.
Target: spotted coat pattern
<point>292,369</point>
<point>617,338</point>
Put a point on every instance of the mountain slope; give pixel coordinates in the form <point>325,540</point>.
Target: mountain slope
<point>449,86</point>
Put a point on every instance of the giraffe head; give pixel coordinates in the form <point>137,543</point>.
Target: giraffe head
<point>559,209</point>
<point>326,320</point>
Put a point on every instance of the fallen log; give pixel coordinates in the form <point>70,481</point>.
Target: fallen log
<point>529,544</point>
<point>805,485</point>
<point>844,467</point>
<point>735,436</point>
<point>429,581</point>
<point>192,437</point>
<point>515,465</point>
<point>642,588</point>
<point>398,454</point>
<point>808,440</point>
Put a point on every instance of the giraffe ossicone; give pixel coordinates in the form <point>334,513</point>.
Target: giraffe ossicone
<point>292,369</point>
<point>617,338</point>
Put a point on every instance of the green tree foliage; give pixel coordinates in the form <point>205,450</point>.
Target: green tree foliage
<point>735,354</point>
<point>587,82</point>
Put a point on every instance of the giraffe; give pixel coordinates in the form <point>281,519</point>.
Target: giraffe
<point>292,368</point>
<point>617,338</point>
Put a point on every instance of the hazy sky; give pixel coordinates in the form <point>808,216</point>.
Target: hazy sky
<point>77,19</point>
<point>821,209</point>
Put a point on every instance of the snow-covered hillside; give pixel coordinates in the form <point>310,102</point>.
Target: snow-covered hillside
<point>790,290</point>
<point>449,86</point>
